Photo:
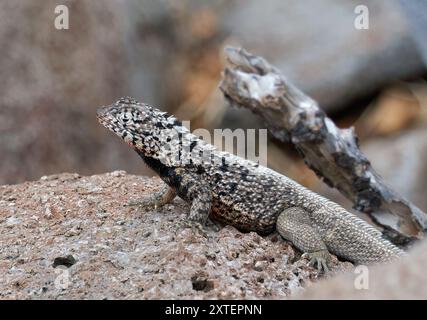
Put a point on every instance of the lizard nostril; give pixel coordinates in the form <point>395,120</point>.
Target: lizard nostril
<point>100,111</point>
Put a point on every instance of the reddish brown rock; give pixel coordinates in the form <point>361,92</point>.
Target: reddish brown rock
<point>102,249</point>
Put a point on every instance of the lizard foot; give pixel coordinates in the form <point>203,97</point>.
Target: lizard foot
<point>213,225</point>
<point>196,227</point>
<point>156,200</point>
<point>320,258</point>
<point>148,202</point>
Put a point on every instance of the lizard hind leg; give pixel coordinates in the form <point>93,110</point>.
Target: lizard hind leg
<point>294,224</point>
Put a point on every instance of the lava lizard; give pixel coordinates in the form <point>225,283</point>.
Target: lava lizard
<point>239,192</point>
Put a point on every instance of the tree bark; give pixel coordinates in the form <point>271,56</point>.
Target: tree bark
<point>332,153</point>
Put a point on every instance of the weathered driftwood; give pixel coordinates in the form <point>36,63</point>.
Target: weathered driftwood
<point>332,153</point>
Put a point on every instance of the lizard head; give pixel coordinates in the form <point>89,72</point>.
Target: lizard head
<point>146,129</point>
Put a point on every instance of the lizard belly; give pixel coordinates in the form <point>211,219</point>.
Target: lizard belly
<point>244,220</point>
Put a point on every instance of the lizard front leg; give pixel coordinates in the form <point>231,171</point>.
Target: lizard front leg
<point>201,207</point>
<point>156,200</point>
<point>294,225</point>
<point>199,194</point>
<point>201,202</point>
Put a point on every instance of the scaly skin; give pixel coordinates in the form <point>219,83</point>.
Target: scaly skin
<point>240,192</point>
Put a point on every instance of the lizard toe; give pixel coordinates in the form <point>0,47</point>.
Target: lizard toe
<point>319,259</point>
<point>148,203</point>
<point>195,226</point>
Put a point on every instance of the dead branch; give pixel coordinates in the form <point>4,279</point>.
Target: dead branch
<point>332,153</point>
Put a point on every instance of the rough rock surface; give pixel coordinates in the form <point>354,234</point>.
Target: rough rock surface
<point>67,236</point>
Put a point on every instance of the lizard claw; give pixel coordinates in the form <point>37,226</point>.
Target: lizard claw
<point>319,258</point>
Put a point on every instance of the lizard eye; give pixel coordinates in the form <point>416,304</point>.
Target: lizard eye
<point>125,117</point>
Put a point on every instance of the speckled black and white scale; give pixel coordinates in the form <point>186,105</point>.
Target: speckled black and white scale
<point>240,192</point>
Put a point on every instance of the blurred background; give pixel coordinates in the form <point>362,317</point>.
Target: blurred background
<point>169,54</point>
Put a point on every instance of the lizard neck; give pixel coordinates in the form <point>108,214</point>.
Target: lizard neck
<point>155,164</point>
<point>166,173</point>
